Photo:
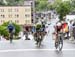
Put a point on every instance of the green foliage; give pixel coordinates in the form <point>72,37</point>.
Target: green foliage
<point>2,3</point>
<point>72,4</point>
<point>5,24</point>
<point>63,9</point>
<point>50,6</point>
<point>41,5</point>
<point>17,28</point>
<point>4,30</point>
<point>11,2</point>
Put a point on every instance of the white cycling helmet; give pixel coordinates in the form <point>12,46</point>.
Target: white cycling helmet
<point>58,24</point>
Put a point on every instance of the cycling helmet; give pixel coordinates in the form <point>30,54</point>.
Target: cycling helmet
<point>58,24</point>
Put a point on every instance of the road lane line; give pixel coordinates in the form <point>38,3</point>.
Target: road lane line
<point>16,50</point>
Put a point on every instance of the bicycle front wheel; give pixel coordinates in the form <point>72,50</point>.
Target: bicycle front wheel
<point>11,37</point>
<point>60,43</point>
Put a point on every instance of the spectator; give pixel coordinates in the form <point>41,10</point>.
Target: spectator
<point>74,30</point>
<point>71,29</point>
<point>65,29</point>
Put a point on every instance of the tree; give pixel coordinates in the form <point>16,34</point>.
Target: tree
<point>3,31</point>
<point>2,3</point>
<point>63,9</point>
<point>52,6</point>
<point>14,2</point>
<point>73,4</point>
<point>41,5</point>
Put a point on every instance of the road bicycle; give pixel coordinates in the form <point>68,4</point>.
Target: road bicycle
<point>59,43</point>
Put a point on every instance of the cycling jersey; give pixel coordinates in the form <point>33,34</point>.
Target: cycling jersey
<point>10,27</point>
<point>58,27</point>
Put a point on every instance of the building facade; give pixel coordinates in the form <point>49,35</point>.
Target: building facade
<point>17,14</point>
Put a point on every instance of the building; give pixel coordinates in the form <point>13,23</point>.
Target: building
<point>18,14</point>
<point>32,3</point>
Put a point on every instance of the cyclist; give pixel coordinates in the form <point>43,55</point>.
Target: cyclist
<point>37,33</point>
<point>58,29</point>
<point>65,28</point>
<point>38,26</point>
<point>11,30</point>
<point>59,35</point>
<point>26,32</point>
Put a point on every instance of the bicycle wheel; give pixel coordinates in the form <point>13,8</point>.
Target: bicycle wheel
<point>11,37</point>
<point>56,45</point>
<point>60,43</point>
<point>39,43</point>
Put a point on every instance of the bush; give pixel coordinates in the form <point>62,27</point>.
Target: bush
<point>5,24</point>
<point>4,31</point>
<point>17,29</point>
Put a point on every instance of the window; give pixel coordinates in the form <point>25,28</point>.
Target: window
<point>16,15</point>
<point>2,21</point>
<point>1,10</point>
<point>16,21</point>
<point>27,15</point>
<point>3,16</point>
<point>27,10</point>
<point>10,16</point>
<point>27,21</point>
<point>9,10</point>
<point>16,10</point>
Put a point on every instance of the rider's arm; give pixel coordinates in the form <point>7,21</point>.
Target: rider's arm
<point>55,29</point>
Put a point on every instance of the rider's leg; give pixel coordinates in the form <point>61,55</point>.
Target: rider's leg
<point>56,39</point>
<point>42,35</point>
<point>67,35</point>
<point>11,37</point>
<point>27,36</point>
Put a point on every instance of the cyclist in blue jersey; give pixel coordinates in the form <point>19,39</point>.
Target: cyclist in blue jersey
<point>11,30</point>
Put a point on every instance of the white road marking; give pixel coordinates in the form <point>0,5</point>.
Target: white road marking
<point>16,50</point>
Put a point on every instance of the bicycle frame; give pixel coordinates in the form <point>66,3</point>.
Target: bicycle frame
<point>38,38</point>
<point>59,44</point>
<point>11,37</point>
